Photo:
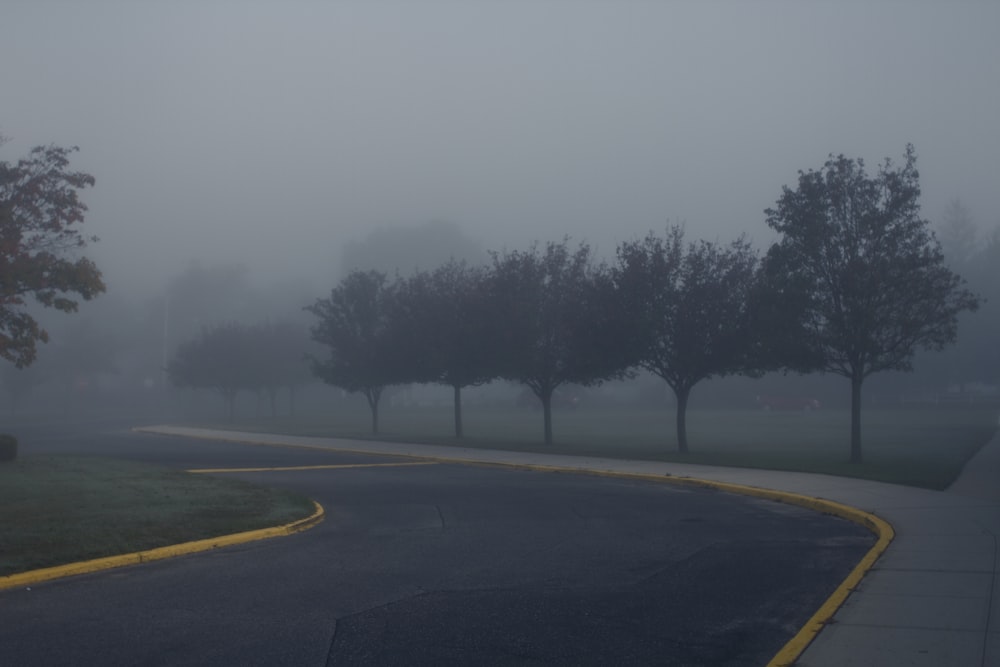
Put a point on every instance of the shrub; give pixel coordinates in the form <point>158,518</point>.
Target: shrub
<point>8,447</point>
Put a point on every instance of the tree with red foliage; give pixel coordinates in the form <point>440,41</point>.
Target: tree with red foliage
<point>40,214</point>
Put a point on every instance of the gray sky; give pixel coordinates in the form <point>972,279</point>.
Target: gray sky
<point>272,132</point>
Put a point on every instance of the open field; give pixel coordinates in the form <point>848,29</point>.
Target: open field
<point>918,446</point>
<point>59,509</point>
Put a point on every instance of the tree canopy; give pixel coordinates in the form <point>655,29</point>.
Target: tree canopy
<point>867,272</point>
<point>40,242</point>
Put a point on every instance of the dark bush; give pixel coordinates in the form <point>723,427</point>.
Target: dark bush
<point>8,447</point>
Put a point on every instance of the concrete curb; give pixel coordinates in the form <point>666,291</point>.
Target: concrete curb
<point>795,646</point>
<point>109,562</point>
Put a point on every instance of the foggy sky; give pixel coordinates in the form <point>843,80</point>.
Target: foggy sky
<point>270,133</point>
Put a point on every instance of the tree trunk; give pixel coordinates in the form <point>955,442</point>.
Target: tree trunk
<point>458,410</point>
<point>856,379</point>
<point>546,398</point>
<point>682,395</point>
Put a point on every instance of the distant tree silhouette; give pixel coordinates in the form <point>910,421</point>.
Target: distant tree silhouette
<point>278,359</point>
<point>216,360</point>
<point>404,250</point>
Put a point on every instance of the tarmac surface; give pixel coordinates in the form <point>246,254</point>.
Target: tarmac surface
<point>932,598</point>
<point>429,563</point>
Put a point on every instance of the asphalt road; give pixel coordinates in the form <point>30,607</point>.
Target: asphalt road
<point>444,565</point>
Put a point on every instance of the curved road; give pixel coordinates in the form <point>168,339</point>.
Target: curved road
<point>445,565</point>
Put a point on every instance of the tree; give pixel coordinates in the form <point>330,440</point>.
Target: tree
<point>690,309</point>
<point>556,319</point>
<point>972,252</point>
<point>217,360</point>
<point>40,214</point>
<point>450,320</point>
<point>278,359</point>
<point>872,278</point>
<point>976,357</point>
<point>958,234</point>
<point>363,346</point>
<point>985,274</point>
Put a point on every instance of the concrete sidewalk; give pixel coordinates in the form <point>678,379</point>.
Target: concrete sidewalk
<point>931,599</point>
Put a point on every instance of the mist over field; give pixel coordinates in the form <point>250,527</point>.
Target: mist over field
<point>247,155</point>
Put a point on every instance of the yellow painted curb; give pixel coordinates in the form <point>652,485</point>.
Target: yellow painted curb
<point>109,562</point>
<point>798,644</point>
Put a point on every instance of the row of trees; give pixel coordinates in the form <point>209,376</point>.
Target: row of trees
<point>856,285</point>
<point>233,357</point>
<point>545,317</point>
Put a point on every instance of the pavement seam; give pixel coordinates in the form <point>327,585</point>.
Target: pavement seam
<point>331,466</point>
<point>794,648</point>
<point>160,553</point>
<point>156,430</point>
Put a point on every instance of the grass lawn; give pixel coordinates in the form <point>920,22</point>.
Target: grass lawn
<point>59,510</point>
<point>924,446</point>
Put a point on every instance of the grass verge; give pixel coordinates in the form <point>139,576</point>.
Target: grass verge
<point>925,446</point>
<point>61,509</point>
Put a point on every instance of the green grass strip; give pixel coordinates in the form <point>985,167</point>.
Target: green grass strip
<point>59,510</point>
